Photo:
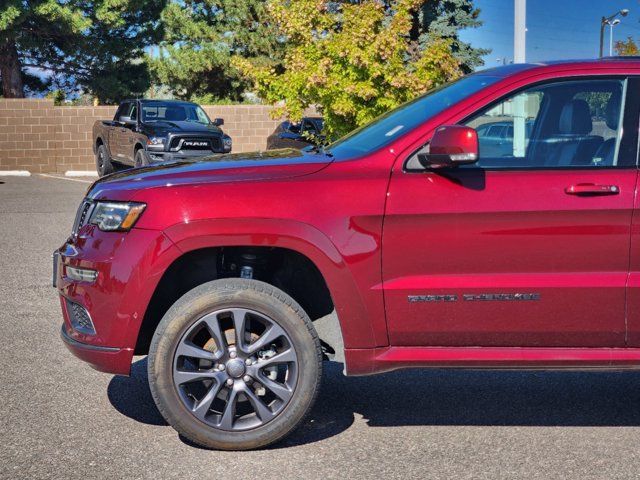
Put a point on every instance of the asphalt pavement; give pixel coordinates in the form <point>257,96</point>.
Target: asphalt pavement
<point>61,419</point>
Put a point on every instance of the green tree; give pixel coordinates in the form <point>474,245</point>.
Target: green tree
<point>201,36</point>
<point>95,46</point>
<point>354,61</point>
<point>443,19</point>
<point>626,47</point>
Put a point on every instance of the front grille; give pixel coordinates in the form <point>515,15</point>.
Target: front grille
<point>83,216</point>
<point>79,318</point>
<point>182,143</point>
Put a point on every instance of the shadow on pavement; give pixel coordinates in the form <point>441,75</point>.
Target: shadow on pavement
<point>437,397</point>
<point>131,396</point>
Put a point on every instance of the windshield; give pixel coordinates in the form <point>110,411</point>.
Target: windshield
<point>174,112</point>
<point>397,122</point>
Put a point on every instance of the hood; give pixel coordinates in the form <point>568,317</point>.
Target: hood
<point>269,165</point>
<point>163,127</point>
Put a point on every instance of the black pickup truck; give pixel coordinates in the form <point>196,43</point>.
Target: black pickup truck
<point>145,132</point>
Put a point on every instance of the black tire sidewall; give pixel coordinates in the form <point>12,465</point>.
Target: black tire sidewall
<point>141,158</point>
<point>217,295</point>
<point>107,166</point>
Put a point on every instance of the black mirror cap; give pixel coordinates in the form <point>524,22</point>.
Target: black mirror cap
<point>218,122</point>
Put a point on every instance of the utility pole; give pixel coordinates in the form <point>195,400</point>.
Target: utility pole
<point>603,22</point>
<point>519,31</point>
<point>519,56</point>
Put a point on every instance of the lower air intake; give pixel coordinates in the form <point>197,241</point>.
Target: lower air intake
<point>80,319</point>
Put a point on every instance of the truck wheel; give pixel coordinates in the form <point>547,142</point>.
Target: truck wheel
<point>142,158</point>
<point>103,162</point>
<point>235,364</point>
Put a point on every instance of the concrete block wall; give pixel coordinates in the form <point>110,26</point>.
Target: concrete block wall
<point>248,125</point>
<point>39,137</point>
<point>28,135</point>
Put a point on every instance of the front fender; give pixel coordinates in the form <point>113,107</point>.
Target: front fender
<point>361,328</point>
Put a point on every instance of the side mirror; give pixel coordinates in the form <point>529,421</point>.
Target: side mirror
<point>127,121</point>
<point>218,122</point>
<point>450,146</point>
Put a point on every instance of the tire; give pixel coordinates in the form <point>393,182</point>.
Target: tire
<point>141,158</point>
<point>103,162</point>
<point>284,376</point>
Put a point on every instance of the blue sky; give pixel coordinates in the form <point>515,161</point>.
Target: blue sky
<point>556,29</point>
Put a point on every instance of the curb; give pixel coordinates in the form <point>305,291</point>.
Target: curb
<point>15,173</point>
<point>80,173</point>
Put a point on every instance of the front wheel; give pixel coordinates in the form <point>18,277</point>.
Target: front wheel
<point>141,158</point>
<point>235,364</point>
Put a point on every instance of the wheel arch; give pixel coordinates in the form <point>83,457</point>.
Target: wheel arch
<point>202,242</point>
<point>98,143</point>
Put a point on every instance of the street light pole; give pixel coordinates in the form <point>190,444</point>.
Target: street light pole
<point>611,39</point>
<point>519,31</point>
<point>611,22</point>
<point>603,22</point>
<point>519,56</point>
<point>611,25</point>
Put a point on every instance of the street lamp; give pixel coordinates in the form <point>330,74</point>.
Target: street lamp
<point>611,20</point>
<point>611,25</point>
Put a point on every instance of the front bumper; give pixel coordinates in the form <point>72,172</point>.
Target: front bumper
<point>129,267</point>
<point>156,157</point>
<point>105,359</point>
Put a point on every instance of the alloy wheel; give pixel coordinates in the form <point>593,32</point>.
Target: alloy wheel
<point>235,369</point>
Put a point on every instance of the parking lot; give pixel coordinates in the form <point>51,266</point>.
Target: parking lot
<point>61,419</point>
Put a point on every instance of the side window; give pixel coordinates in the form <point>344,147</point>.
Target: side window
<point>122,110</point>
<point>496,127</point>
<point>294,128</point>
<point>134,112</point>
<point>202,117</point>
<point>563,124</point>
<point>308,127</point>
<point>482,130</point>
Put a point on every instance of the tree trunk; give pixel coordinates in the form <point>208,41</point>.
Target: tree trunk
<point>10,70</point>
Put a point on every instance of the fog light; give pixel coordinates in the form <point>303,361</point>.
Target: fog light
<point>81,274</point>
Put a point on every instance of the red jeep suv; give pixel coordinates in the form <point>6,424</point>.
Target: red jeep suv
<point>492,223</point>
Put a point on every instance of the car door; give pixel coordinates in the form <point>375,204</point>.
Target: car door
<point>527,249</point>
<point>130,136</point>
<point>118,133</point>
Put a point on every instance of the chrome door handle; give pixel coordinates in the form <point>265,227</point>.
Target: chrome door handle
<point>589,189</point>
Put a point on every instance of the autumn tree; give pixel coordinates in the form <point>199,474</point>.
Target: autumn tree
<point>95,46</point>
<point>354,61</point>
<point>626,47</point>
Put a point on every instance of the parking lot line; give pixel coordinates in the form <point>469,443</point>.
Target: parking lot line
<point>65,178</point>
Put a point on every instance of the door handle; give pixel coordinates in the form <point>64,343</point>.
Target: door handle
<point>588,189</point>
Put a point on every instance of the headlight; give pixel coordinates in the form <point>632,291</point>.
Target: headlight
<point>156,142</point>
<point>116,216</point>
<point>226,143</point>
